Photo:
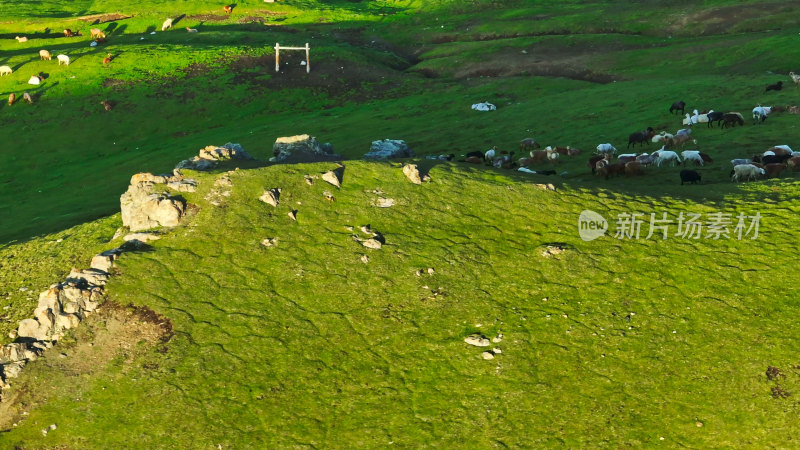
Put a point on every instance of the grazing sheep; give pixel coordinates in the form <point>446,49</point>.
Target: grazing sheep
<point>45,55</point>
<point>610,170</point>
<point>538,155</point>
<point>528,144</point>
<point>692,155</point>
<point>744,172</point>
<point>732,118</point>
<point>714,116</point>
<point>12,97</point>
<point>63,59</point>
<point>678,141</point>
<point>666,156</point>
<point>689,176</point>
<point>476,154</point>
<point>760,113</point>
<point>740,161</point>
<point>597,158</point>
<point>686,131</point>
<point>773,170</point>
<point>27,98</point>
<point>677,106</point>
<point>775,87</point>
<point>70,33</point>
<point>706,158</point>
<point>768,153</point>
<point>795,78</point>
<point>107,59</point>
<point>641,137</point>
<point>490,154</point>
<point>606,148</point>
<point>645,160</point>
<point>167,24</point>
<point>191,30</point>
<point>781,150</point>
<point>552,155</point>
<point>21,39</point>
<point>661,136</point>
<point>35,79</point>
<point>793,163</point>
<point>566,151</point>
<point>228,9</point>
<point>97,34</point>
<point>5,70</point>
<point>633,168</point>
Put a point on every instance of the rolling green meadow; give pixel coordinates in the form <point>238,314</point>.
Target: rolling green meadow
<point>211,339</point>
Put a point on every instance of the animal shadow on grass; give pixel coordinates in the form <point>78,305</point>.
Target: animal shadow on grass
<point>178,19</point>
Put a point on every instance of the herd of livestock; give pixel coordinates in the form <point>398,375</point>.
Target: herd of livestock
<point>768,164</point>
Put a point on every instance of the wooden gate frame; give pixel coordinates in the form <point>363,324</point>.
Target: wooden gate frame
<point>277,56</point>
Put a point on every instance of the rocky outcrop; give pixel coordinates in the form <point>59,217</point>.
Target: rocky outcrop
<point>334,176</point>
<point>413,174</point>
<point>143,209</point>
<point>271,196</point>
<point>389,149</point>
<point>301,148</point>
<point>209,157</point>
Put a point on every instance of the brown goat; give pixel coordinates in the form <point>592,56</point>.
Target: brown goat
<point>107,105</point>
<point>107,59</point>
<point>228,9</point>
<point>773,170</point>
<point>97,34</point>
<point>634,168</point>
<point>27,98</point>
<point>12,97</point>
<point>794,163</point>
<point>528,144</point>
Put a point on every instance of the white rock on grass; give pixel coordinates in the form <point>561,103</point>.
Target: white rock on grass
<point>477,340</point>
<point>271,196</point>
<point>487,355</point>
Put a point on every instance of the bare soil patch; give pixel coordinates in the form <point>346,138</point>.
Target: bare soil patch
<point>115,332</point>
<point>208,17</point>
<point>721,20</point>
<point>103,18</point>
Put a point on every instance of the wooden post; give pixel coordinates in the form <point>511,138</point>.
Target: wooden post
<point>277,57</point>
<point>308,61</point>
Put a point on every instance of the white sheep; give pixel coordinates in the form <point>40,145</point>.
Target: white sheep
<point>692,155</point>
<point>63,59</point>
<point>606,148</point>
<point>795,78</point>
<point>744,172</point>
<point>686,131</point>
<point>740,161</point>
<point>760,113</point>
<point>768,153</point>
<point>490,154</point>
<point>21,39</point>
<point>661,136</point>
<point>166,25</point>
<point>5,70</point>
<point>666,156</point>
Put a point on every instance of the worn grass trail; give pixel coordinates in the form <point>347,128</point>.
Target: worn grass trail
<point>610,342</point>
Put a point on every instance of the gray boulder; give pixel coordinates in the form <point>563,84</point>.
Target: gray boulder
<point>389,148</point>
<point>209,157</point>
<point>302,148</point>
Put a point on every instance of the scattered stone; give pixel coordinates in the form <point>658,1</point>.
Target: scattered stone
<point>309,180</point>
<point>271,196</point>
<point>412,172</point>
<point>187,185</point>
<point>555,248</point>
<point>90,276</point>
<point>422,272</point>
<point>328,196</point>
<point>389,148</point>
<point>105,261</point>
<point>210,156</point>
<point>334,176</point>
<point>301,148</point>
<point>546,187</point>
<point>477,340</point>
<point>487,355</point>
<point>372,243</point>
<point>496,351</point>
<point>293,214</point>
<point>431,271</point>
<point>364,259</point>
<point>270,242</point>
<point>366,229</point>
<point>498,338</point>
<point>223,181</point>
<point>384,202</point>
<point>699,424</point>
<point>142,237</point>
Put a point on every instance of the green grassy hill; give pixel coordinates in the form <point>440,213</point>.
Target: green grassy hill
<point>210,338</point>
